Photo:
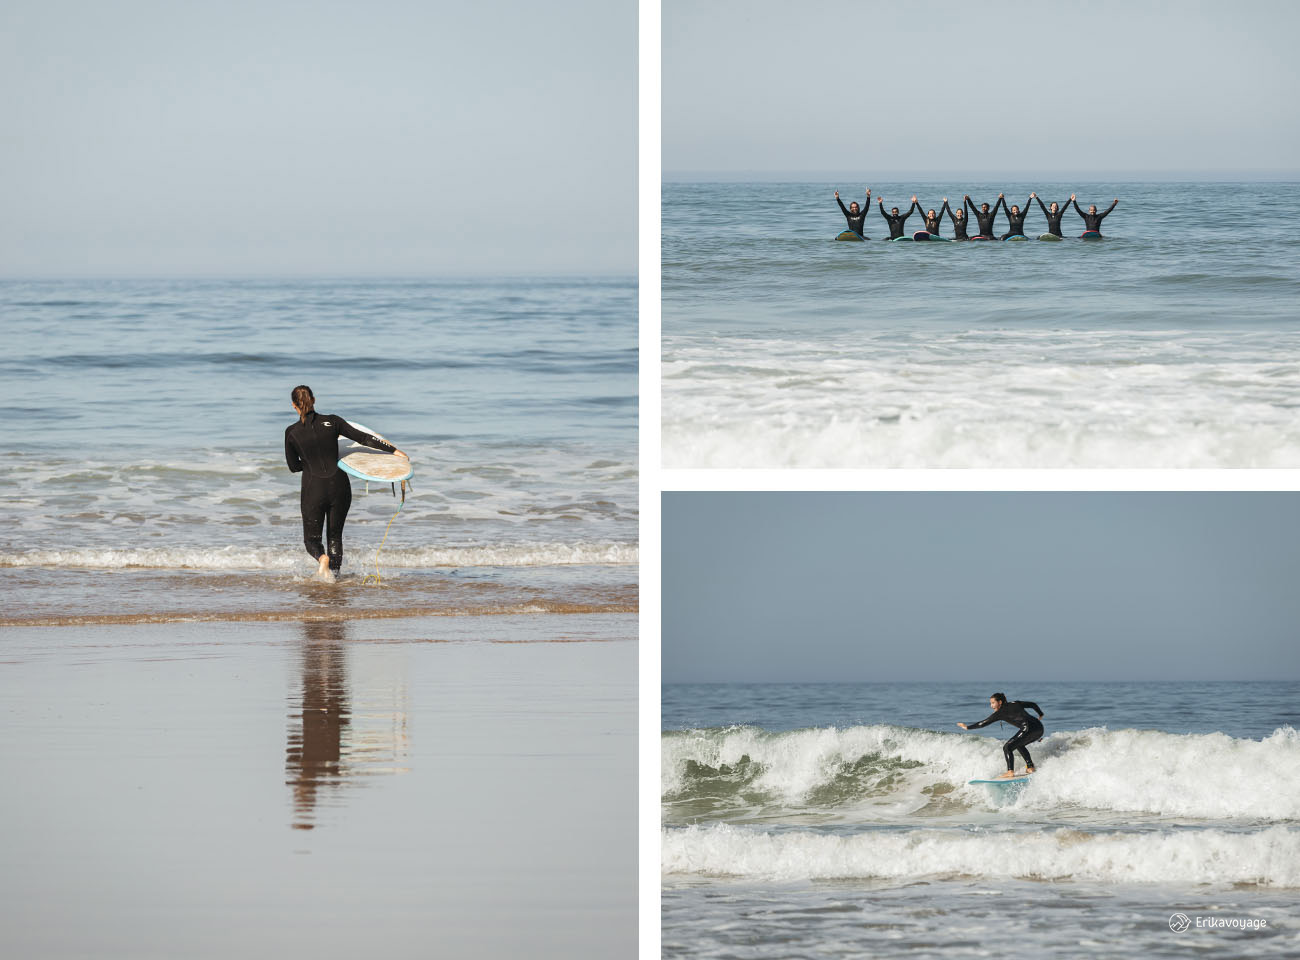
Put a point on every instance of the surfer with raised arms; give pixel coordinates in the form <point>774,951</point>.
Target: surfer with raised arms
<point>856,216</point>
<point>895,220</point>
<point>311,447</point>
<point>1092,219</point>
<point>1054,214</point>
<point>1016,219</point>
<point>1016,713</point>
<point>934,220</point>
<point>984,215</point>
<point>958,218</point>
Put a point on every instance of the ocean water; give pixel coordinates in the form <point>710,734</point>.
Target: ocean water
<point>1175,342</point>
<point>826,820</point>
<point>142,469</point>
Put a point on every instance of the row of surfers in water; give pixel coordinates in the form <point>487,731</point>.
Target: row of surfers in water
<point>961,216</point>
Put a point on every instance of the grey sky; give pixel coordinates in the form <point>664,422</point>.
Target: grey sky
<point>945,586</point>
<point>273,137</point>
<point>1002,86</point>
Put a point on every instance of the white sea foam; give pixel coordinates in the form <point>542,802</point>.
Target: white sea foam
<point>982,399</point>
<point>1211,776</point>
<point>1268,857</point>
<point>248,558</point>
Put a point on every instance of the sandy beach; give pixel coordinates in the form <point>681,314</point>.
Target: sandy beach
<point>430,786</point>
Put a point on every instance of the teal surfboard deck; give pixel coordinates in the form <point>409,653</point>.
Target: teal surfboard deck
<point>1021,779</point>
<point>1090,235</point>
<point>1018,236</point>
<point>848,235</point>
<point>1048,236</point>
<point>899,239</point>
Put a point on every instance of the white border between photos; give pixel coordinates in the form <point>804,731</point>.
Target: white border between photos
<point>650,175</point>
<point>655,481</point>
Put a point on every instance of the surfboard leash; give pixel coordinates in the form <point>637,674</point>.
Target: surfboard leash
<point>378,580</point>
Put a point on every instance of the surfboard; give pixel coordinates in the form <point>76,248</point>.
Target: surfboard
<point>850,235</point>
<point>1018,236</point>
<point>923,235</point>
<point>896,239</point>
<point>1048,236</point>
<point>1090,235</point>
<point>1023,778</point>
<point>981,238</point>
<point>367,463</point>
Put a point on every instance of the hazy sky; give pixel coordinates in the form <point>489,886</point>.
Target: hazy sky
<point>1000,86</point>
<point>384,137</point>
<point>947,586</point>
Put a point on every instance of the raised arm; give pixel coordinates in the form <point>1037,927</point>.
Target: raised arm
<point>944,209</point>
<point>1109,209</point>
<point>1040,204</point>
<point>352,433</point>
<point>842,207</point>
<point>999,205</point>
<point>291,454</point>
<point>881,201</point>
<point>1075,203</point>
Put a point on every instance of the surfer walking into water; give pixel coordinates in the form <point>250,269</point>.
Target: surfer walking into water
<point>311,447</point>
<point>855,215</point>
<point>1016,713</point>
<point>1092,219</point>
<point>896,220</point>
<point>1053,214</point>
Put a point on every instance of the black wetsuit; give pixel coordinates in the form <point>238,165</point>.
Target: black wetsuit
<point>1092,221</point>
<point>986,219</point>
<point>1054,219</point>
<point>1016,713</point>
<point>959,226</point>
<point>857,221</point>
<point>1016,222</point>
<point>896,221</point>
<point>311,447</point>
<point>932,226</point>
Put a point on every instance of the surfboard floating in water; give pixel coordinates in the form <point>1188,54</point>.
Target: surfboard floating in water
<point>1048,236</point>
<point>1016,236</point>
<point>850,235</point>
<point>366,463</point>
<point>1090,235</point>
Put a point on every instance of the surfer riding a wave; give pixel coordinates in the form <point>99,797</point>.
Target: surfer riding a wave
<point>311,447</point>
<point>1029,729</point>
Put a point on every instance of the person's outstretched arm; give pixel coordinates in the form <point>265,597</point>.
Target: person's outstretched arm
<point>1075,203</point>
<point>944,209</point>
<point>881,201</point>
<point>291,454</point>
<point>1040,204</point>
<point>999,205</point>
<point>1109,209</point>
<point>843,209</point>
<point>983,723</point>
<point>366,439</point>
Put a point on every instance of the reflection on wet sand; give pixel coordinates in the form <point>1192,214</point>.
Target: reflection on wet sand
<point>332,742</point>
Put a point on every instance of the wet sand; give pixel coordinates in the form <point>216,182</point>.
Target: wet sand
<point>444,786</point>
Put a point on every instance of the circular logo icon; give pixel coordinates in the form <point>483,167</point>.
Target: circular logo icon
<point>1179,922</point>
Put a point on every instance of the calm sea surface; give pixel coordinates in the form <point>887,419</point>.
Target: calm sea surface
<point>1174,342</point>
<point>826,820</point>
<point>143,459</point>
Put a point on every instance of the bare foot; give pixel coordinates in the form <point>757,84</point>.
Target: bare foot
<point>323,571</point>
<point>1006,776</point>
